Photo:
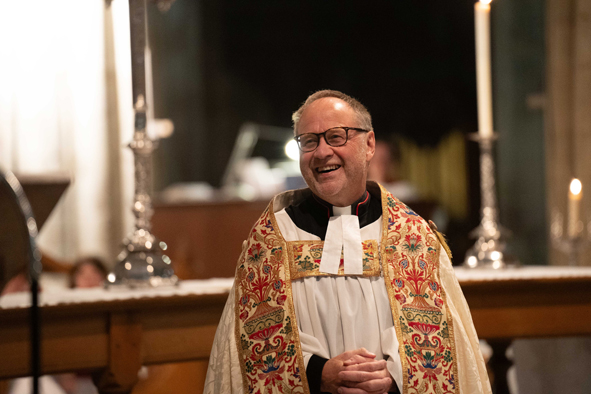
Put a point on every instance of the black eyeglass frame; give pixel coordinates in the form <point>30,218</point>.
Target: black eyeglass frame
<point>323,134</point>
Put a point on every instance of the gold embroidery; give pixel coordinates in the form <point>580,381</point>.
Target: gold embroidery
<point>266,331</point>
<point>266,327</point>
<point>385,249</point>
<point>305,256</point>
<point>410,261</point>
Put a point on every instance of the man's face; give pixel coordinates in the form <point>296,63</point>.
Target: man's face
<point>88,276</point>
<point>335,174</point>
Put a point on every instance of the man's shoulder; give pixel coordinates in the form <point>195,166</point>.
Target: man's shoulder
<point>289,197</point>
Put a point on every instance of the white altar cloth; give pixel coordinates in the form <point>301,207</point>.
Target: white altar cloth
<point>79,296</point>
<point>223,285</point>
<point>531,272</point>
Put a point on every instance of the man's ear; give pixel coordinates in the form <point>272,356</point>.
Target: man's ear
<point>371,145</point>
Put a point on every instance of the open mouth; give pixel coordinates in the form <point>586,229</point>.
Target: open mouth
<point>326,169</point>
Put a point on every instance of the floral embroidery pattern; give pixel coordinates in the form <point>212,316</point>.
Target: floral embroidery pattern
<point>268,344</point>
<point>305,259</point>
<point>411,254</point>
<point>266,329</point>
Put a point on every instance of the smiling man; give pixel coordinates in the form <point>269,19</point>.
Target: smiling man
<point>337,144</point>
<point>341,288</point>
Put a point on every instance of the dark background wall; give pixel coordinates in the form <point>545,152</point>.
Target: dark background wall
<point>519,84</point>
<point>220,63</point>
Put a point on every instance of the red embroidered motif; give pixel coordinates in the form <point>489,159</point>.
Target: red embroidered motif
<point>267,342</point>
<point>266,329</point>
<point>425,330</point>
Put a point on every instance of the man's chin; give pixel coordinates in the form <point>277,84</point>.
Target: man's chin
<point>326,192</point>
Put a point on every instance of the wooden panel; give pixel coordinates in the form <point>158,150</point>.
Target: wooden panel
<point>530,308</point>
<point>540,321</point>
<point>179,378</point>
<point>67,344</point>
<point>77,337</point>
<point>14,345</point>
<point>72,341</point>
<point>180,335</point>
<point>125,350</point>
<point>205,240</point>
<point>4,386</point>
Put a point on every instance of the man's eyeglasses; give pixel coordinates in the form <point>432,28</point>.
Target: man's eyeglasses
<point>336,136</point>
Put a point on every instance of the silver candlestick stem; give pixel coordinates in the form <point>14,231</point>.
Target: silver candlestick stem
<point>141,263</point>
<point>489,250</point>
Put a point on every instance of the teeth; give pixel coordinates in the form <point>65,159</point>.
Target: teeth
<point>328,168</point>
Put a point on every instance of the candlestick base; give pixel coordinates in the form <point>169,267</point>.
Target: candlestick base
<point>490,250</point>
<point>571,244</point>
<point>142,263</point>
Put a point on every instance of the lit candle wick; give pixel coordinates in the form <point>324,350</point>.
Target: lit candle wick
<point>576,187</point>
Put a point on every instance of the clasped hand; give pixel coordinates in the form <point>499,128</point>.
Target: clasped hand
<point>356,372</point>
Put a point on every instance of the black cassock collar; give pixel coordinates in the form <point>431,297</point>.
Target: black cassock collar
<point>312,214</point>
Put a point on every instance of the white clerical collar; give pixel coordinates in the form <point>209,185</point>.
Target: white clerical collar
<point>342,234</point>
<point>338,211</point>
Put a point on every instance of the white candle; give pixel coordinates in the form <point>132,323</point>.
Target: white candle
<point>574,200</point>
<point>483,73</point>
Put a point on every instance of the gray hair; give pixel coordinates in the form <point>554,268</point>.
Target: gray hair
<point>359,109</point>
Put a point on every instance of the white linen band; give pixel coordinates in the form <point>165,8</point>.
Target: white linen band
<point>342,234</point>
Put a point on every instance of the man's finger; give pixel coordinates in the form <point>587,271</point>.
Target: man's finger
<point>358,359</point>
<point>368,365</point>
<point>375,385</point>
<point>358,352</point>
<point>359,376</point>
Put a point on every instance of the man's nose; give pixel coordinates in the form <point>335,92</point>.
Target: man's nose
<point>323,150</point>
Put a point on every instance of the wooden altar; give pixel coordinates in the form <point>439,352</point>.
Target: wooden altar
<point>113,338</point>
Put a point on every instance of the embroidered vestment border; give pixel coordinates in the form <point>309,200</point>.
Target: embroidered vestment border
<point>266,327</point>
<point>305,256</point>
<point>424,326</point>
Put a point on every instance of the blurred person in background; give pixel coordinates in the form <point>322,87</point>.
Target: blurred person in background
<point>88,272</point>
<point>19,283</point>
<point>385,169</point>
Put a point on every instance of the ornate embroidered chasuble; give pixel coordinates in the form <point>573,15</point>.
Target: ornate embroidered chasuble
<point>408,257</point>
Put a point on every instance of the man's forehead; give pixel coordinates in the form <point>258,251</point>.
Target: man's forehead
<point>340,105</point>
<point>328,103</point>
<point>328,111</point>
